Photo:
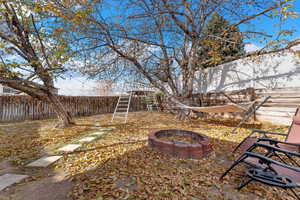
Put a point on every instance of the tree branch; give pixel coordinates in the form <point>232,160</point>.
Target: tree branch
<point>41,42</point>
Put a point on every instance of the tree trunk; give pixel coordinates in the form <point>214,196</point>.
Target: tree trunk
<point>173,104</point>
<point>65,119</point>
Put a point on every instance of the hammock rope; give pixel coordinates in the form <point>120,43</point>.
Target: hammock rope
<point>231,107</point>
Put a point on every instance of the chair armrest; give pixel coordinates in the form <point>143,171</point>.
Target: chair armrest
<point>273,148</point>
<point>274,141</point>
<point>267,132</point>
<point>263,134</point>
<point>269,161</point>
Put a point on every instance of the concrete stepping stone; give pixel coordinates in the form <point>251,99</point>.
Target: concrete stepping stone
<point>87,139</point>
<point>70,147</point>
<point>98,133</point>
<point>7,180</point>
<point>44,161</point>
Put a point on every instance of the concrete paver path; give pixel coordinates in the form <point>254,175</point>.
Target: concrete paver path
<point>70,147</point>
<point>44,161</point>
<point>9,179</point>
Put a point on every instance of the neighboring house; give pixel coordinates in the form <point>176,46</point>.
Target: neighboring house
<point>4,90</point>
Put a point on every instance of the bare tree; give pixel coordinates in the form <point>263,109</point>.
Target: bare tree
<point>161,39</point>
<point>27,63</point>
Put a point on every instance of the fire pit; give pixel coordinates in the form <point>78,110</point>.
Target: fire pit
<point>180,143</point>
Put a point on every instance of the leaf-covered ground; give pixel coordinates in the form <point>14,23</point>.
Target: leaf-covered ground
<point>110,168</point>
<point>120,165</point>
<point>23,141</point>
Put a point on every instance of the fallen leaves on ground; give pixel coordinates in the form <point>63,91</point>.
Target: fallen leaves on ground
<point>23,141</point>
<point>120,165</point>
<point>114,167</point>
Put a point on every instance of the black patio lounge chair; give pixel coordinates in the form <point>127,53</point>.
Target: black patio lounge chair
<point>291,138</point>
<point>268,171</point>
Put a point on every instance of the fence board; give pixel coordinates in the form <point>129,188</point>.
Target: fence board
<point>281,100</point>
<point>275,113</point>
<point>278,109</point>
<point>275,119</point>
<point>19,108</point>
<point>281,106</point>
<point>278,90</point>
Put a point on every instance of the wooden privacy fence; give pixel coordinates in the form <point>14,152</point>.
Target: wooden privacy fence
<point>278,109</point>
<point>19,108</point>
<point>281,106</point>
<point>221,98</point>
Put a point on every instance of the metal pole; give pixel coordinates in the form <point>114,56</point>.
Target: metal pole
<point>251,113</point>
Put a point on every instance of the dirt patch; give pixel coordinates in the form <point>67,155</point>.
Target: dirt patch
<point>50,188</point>
<point>127,183</point>
<point>182,139</point>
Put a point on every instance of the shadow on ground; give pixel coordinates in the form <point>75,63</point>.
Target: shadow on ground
<point>24,142</point>
<point>115,167</point>
<point>142,173</point>
<point>232,123</point>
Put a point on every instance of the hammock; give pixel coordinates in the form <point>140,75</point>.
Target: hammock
<point>231,107</point>
<point>222,108</point>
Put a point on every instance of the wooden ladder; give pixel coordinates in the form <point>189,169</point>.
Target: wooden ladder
<point>122,107</point>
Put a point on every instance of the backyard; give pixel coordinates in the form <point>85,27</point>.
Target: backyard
<point>148,99</point>
<point>118,164</point>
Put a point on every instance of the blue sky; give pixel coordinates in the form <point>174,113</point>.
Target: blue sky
<point>272,26</point>
<point>79,85</point>
<point>262,23</point>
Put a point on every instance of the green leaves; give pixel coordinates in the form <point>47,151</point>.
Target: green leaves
<point>221,40</point>
<point>285,11</point>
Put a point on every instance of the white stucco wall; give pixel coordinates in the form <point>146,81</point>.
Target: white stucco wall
<point>269,71</point>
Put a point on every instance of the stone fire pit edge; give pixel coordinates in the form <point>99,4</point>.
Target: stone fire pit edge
<point>180,149</point>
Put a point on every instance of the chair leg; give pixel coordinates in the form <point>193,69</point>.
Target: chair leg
<point>244,184</point>
<point>238,146</point>
<point>232,166</point>
<point>293,160</point>
<point>295,194</point>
